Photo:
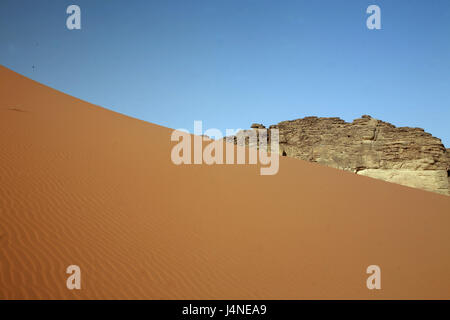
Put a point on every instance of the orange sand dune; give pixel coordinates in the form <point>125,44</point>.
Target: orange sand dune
<point>83,185</point>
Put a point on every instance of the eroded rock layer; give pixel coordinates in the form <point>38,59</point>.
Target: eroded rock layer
<point>370,147</point>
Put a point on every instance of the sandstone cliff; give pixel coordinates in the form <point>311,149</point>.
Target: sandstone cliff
<point>370,147</point>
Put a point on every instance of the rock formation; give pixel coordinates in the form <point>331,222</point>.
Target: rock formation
<point>370,147</point>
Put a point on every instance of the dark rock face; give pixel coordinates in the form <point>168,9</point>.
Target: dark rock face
<point>371,147</point>
<point>448,168</point>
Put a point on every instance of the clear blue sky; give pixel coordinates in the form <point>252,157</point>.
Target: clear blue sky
<point>234,62</point>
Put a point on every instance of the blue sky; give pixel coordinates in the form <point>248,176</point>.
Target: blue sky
<point>234,62</point>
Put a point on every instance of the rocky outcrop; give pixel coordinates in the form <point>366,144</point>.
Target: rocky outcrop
<point>370,147</point>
